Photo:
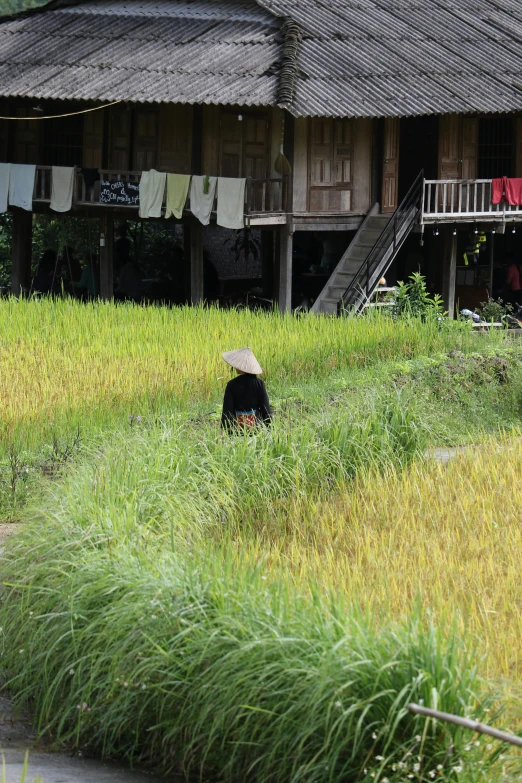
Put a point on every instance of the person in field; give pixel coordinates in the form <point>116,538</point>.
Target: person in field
<point>246,400</point>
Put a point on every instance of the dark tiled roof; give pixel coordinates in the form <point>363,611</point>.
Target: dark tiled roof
<point>358,58</point>
<point>144,51</point>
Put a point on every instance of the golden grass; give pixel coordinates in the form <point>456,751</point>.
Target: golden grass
<point>449,535</point>
<point>62,355</point>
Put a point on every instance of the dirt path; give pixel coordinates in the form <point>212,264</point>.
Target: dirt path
<point>17,735</point>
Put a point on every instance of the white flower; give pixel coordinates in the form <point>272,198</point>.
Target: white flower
<point>338,704</point>
<point>153,617</point>
<point>71,672</point>
<point>143,687</point>
<point>125,684</point>
<point>416,767</point>
<point>477,743</point>
<point>432,773</point>
<point>20,651</point>
<point>30,614</point>
<point>410,776</point>
<point>374,735</point>
<point>418,737</point>
<point>458,768</point>
<point>489,746</point>
<point>379,758</point>
<point>394,767</point>
<point>439,766</point>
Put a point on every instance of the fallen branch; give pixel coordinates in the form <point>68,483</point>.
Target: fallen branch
<point>466,723</point>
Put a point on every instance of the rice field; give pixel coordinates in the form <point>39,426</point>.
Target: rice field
<point>273,601</point>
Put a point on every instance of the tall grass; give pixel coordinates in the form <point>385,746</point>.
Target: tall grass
<point>190,662</point>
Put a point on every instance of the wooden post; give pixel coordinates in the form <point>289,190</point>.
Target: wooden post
<point>450,273</point>
<point>21,251</point>
<point>466,723</point>
<point>106,261</point>
<point>196,263</point>
<point>286,246</point>
<point>491,262</point>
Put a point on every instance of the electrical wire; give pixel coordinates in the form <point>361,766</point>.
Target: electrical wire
<point>59,116</point>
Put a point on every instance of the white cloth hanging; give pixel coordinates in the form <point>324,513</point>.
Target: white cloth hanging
<point>201,203</point>
<point>21,185</point>
<point>5,171</point>
<point>62,183</point>
<point>152,190</point>
<point>231,202</point>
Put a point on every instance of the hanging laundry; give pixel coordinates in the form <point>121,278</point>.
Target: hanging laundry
<point>201,203</point>
<point>152,190</point>
<point>231,203</point>
<point>5,169</point>
<point>62,183</point>
<point>177,192</point>
<point>498,188</point>
<point>21,185</point>
<point>514,191</point>
<point>90,176</point>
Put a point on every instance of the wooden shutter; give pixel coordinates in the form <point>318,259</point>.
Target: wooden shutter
<point>119,150</point>
<point>390,183</point>
<point>145,138</point>
<point>469,147</point>
<point>343,131</point>
<point>321,152</point>
<point>93,126</point>
<point>518,145</point>
<point>231,138</point>
<point>175,132</point>
<point>27,139</point>
<point>450,147</point>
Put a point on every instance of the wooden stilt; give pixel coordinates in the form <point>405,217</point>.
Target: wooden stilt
<point>21,251</point>
<point>106,257</point>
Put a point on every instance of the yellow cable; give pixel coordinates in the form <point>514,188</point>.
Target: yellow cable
<point>59,116</point>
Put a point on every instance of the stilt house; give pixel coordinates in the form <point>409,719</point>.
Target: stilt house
<point>395,115</point>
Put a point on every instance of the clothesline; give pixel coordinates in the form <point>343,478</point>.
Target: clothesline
<point>17,186</point>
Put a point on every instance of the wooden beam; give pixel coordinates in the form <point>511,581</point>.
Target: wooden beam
<point>450,273</point>
<point>21,251</point>
<point>106,259</point>
<point>196,263</point>
<point>286,246</point>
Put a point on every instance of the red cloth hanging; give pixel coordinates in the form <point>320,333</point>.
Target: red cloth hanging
<point>514,191</point>
<point>498,188</point>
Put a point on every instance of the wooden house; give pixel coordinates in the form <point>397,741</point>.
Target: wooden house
<point>361,95</point>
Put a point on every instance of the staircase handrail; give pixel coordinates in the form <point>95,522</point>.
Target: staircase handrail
<point>407,212</point>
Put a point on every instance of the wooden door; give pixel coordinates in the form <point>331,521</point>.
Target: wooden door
<point>93,126</point>
<point>120,134</point>
<point>469,155</point>
<point>145,140</point>
<point>390,175</point>
<point>255,148</point>
<point>450,147</point>
<point>331,165</point>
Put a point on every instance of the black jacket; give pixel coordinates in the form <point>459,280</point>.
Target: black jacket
<point>242,395</point>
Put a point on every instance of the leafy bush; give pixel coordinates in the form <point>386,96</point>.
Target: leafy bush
<point>413,299</point>
<point>495,310</point>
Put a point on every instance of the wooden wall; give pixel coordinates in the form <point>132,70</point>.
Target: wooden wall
<point>332,165</point>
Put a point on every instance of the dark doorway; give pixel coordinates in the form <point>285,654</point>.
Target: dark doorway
<point>496,151</point>
<point>419,142</point>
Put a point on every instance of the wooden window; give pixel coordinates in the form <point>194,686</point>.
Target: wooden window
<point>331,150</point>
<point>93,126</point>
<point>244,144</point>
<point>119,138</point>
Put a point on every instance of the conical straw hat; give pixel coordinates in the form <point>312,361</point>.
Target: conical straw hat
<point>244,360</point>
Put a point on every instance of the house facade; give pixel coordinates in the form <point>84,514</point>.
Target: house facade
<point>359,97</point>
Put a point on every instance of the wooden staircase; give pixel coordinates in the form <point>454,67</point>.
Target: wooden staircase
<point>349,265</point>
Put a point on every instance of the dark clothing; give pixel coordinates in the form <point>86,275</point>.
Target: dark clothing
<point>90,176</point>
<point>244,394</point>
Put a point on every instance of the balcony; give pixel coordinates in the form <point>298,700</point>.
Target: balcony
<point>464,200</point>
<point>265,199</point>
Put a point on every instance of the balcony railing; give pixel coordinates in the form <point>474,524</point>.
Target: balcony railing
<point>262,196</point>
<point>463,200</point>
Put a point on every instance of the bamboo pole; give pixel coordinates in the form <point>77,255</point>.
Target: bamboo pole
<point>466,723</point>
